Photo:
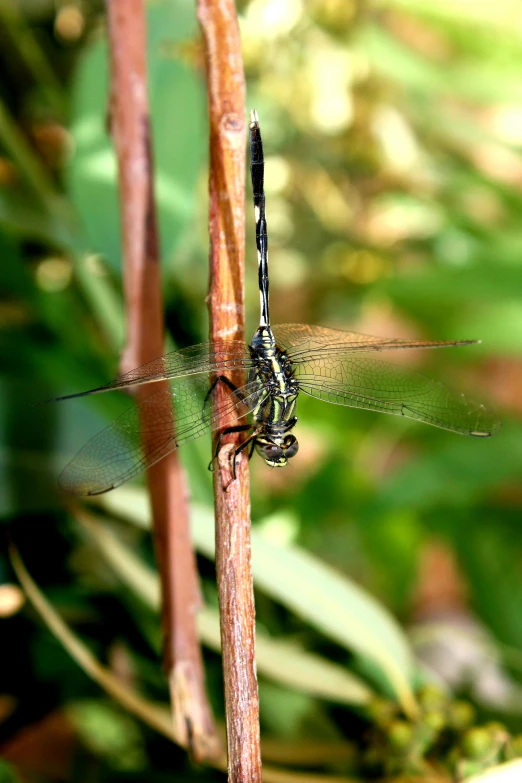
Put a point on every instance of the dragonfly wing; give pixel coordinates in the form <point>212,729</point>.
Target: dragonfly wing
<point>220,356</point>
<point>150,430</point>
<point>303,341</point>
<point>365,382</point>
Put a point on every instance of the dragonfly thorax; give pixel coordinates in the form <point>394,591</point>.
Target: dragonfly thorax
<point>275,412</point>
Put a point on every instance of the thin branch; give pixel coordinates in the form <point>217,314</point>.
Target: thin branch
<point>153,715</point>
<point>226,96</point>
<point>130,129</point>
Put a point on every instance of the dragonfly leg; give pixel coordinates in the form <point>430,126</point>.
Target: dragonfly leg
<point>228,431</point>
<point>227,382</point>
<point>233,388</point>
<point>250,441</point>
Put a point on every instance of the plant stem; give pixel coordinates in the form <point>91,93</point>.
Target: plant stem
<point>130,129</point>
<point>226,96</point>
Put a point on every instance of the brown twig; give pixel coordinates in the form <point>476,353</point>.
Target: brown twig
<point>226,96</point>
<point>130,129</point>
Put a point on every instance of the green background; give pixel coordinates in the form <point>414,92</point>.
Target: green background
<point>392,133</point>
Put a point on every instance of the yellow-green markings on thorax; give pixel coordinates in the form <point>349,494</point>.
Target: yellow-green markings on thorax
<point>274,413</point>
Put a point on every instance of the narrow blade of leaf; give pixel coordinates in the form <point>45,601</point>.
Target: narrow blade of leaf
<point>326,599</point>
<point>287,663</point>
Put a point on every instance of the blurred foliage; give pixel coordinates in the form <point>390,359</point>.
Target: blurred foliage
<point>388,558</point>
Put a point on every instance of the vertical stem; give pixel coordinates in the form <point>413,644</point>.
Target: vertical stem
<point>130,129</point>
<point>226,95</point>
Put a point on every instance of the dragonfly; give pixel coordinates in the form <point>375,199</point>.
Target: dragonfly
<point>280,363</point>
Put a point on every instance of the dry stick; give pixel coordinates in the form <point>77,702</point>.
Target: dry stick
<point>130,129</point>
<point>226,94</point>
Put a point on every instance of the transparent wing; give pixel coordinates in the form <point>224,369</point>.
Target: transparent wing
<point>303,341</point>
<point>149,431</point>
<point>364,382</point>
<point>217,357</point>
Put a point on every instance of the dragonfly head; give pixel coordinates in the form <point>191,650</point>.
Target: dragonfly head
<point>277,454</point>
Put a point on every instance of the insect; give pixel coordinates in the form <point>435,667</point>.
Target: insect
<point>280,363</point>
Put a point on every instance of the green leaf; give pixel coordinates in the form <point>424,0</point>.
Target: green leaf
<point>109,733</point>
<point>8,774</point>
<point>480,298</point>
<point>458,472</point>
<point>285,662</point>
<point>321,596</point>
<point>177,120</point>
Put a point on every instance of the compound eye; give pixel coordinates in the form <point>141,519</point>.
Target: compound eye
<point>291,446</point>
<point>270,451</point>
